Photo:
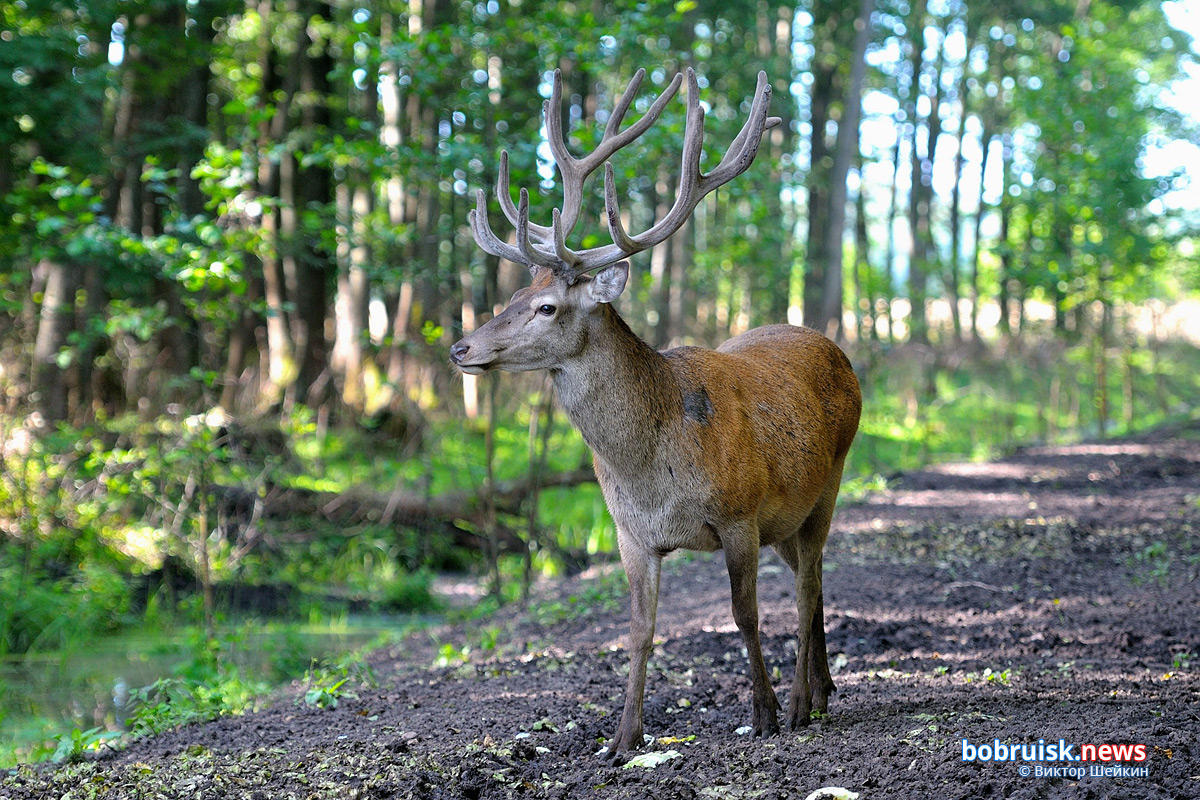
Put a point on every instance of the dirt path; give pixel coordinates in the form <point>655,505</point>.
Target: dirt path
<point>1051,596</point>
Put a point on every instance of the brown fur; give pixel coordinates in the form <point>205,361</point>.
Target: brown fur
<point>734,448</point>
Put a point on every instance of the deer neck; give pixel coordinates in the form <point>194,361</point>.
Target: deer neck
<point>620,394</point>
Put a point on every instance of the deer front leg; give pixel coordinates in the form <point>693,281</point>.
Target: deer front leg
<point>642,568</point>
<point>741,558</point>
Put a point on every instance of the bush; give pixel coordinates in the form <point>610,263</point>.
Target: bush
<point>43,612</point>
<point>410,591</point>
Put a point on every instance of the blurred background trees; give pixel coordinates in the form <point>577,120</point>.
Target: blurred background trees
<point>262,204</point>
<point>233,253</point>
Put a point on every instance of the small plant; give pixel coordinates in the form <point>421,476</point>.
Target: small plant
<point>489,638</point>
<point>1182,660</point>
<point>450,656</point>
<point>327,682</point>
<point>1155,559</point>
<point>171,702</point>
<point>1003,676</point>
<point>327,695</point>
<point>73,745</point>
<point>989,675</point>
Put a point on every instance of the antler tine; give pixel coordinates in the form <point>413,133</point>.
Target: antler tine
<point>689,180</point>
<point>744,147</point>
<point>532,256</point>
<point>620,239</point>
<point>485,238</point>
<point>566,255</point>
<point>504,195</point>
<point>622,105</point>
<point>693,184</point>
<point>610,144</point>
<point>575,171</point>
<point>542,246</point>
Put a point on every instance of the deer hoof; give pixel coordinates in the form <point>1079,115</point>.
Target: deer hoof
<point>620,743</point>
<point>767,725</point>
<point>797,721</point>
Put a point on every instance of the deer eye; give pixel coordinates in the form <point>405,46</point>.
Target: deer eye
<point>546,309</point>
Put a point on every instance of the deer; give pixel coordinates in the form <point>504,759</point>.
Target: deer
<point>731,449</point>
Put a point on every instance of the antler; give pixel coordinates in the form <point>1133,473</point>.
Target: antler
<point>541,246</point>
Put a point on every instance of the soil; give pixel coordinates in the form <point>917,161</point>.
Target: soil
<point>1052,595</point>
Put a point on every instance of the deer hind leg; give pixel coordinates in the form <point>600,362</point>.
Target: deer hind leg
<point>821,683</point>
<point>741,558</point>
<point>802,552</point>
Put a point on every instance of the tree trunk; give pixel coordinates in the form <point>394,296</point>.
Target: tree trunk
<point>281,369</point>
<point>312,266</point>
<point>847,148</point>
<point>889,264</point>
<point>1005,246</point>
<point>953,265</point>
<point>868,299</point>
<point>350,303</point>
<point>985,140</point>
<point>819,184</point>
<point>56,320</point>
<point>919,200</point>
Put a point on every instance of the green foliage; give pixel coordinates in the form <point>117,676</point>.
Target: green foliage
<point>985,407</point>
<point>60,576</point>
<point>601,595</point>
<point>47,613</point>
<point>451,656</point>
<point>327,682</point>
<point>410,592</point>
<point>1154,561</point>
<point>169,703</point>
<point>73,745</point>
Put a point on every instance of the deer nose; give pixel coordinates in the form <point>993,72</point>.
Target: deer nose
<point>458,351</point>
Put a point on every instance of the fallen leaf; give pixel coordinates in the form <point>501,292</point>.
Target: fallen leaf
<point>651,760</point>
<point>832,793</point>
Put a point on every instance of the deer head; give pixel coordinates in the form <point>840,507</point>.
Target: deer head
<point>546,323</point>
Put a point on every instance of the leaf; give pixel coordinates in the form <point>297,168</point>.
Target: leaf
<point>677,739</point>
<point>652,760</point>
<point>832,793</point>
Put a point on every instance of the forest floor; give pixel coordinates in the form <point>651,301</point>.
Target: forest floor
<point>1050,595</point>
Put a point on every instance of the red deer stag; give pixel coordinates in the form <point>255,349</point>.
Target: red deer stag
<point>734,448</point>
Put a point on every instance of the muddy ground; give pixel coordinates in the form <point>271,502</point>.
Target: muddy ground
<point>1051,595</point>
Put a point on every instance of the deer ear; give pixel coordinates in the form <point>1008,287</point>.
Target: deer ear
<point>607,285</point>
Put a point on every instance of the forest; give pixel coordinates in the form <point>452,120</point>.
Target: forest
<point>234,253</point>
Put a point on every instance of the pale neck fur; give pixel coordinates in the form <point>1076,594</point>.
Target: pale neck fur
<point>619,392</point>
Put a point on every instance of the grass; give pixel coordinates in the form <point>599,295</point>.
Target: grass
<point>984,407</point>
